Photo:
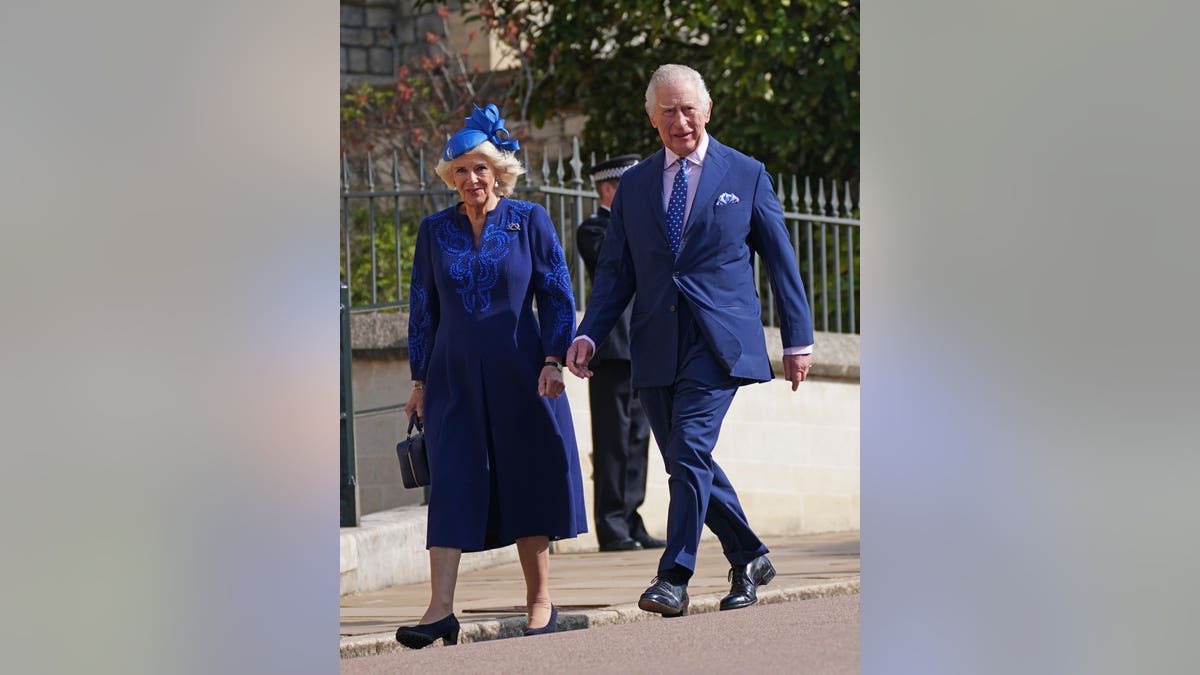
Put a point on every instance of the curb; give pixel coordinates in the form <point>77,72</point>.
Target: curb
<point>497,629</point>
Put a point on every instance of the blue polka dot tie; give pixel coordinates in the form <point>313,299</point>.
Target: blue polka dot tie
<point>676,206</point>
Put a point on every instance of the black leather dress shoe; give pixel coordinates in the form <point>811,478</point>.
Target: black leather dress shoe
<point>621,545</point>
<point>650,542</point>
<point>746,580</point>
<point>666,598</point>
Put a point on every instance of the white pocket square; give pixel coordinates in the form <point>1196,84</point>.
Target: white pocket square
<point>727,198</point>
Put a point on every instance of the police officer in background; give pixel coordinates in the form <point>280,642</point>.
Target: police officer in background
<point>620,432</point>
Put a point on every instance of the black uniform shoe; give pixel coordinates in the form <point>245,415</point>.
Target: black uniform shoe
<point>650,542</point>
<point>621,545</point>
<point>746,580</point>
<point>666,598</point>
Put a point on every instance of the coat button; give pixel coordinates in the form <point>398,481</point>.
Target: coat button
<point>674,275</point>
<point>672,308</point>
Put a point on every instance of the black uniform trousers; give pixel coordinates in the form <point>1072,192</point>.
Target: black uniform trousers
<point>620,447</point>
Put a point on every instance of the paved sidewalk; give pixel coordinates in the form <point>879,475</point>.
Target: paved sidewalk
<point>593,589</point>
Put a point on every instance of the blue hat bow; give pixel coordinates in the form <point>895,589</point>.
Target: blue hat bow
<point>483,125</point>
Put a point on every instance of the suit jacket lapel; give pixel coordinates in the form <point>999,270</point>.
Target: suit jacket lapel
<point>657,166</point>
<point>716,165</point>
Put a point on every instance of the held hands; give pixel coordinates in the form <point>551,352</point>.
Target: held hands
<point>578,356</point>
<point>550,382</point>
<point>796,367</point>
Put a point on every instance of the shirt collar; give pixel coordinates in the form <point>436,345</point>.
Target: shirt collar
<point>697,156</point>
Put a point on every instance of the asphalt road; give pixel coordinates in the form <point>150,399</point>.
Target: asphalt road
<point>813,636</point>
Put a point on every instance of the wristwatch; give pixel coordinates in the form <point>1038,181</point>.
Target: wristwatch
<point>556,364</point>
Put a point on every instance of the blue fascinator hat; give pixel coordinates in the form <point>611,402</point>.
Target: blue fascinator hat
<point>482,125</point>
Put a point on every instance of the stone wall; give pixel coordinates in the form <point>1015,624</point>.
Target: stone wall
<point>378,35</point>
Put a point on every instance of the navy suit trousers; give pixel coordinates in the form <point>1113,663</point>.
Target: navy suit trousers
<point>620,447</point>
<point>686,420</point>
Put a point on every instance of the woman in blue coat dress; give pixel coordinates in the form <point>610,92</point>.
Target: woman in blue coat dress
<point>487,377</point>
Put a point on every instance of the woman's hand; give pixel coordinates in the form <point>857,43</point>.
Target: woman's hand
<point>416,402</point>
<point>550,382</point>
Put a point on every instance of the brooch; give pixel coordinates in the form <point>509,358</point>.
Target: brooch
<point>514,227</point>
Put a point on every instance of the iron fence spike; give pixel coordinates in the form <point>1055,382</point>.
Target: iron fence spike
<point>576,163</point>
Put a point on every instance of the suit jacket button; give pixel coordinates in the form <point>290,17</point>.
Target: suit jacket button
<point>672,308</point>
<point>674,275</point>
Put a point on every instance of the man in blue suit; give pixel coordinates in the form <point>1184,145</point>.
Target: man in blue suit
<point>685,222</point>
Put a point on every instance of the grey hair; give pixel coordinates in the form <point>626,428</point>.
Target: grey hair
<point>673,72</point>
<point>506,165</point>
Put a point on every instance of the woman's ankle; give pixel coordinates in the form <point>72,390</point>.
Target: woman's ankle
<point>435,614</point>
<point>538,612</point>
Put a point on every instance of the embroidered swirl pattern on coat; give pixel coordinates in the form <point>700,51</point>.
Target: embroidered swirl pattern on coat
<point>476,272</point>
<point>418,327</point>
<point>557,283</point>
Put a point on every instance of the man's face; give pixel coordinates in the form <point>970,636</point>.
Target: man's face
<point>606,189</point>
<point>679,117</point>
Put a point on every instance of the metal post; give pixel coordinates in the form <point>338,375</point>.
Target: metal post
<point>371,216</point>
<point>577,184</point>
<point>346,214</point>
<point>349,480</point>
<point>396,228</point>
<point>850,267</point>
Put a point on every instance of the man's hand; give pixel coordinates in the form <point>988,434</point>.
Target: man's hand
<point>795,368</point>
<point>578,356</point>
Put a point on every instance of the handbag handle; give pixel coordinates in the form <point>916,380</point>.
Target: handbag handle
<point>415,421</point>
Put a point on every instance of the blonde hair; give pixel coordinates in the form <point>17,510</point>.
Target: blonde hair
<point>672,73</point>
<point>506,166</point>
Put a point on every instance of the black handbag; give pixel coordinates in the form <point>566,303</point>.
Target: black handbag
<point>414,463</point>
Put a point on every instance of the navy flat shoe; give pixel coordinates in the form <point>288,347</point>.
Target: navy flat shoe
<point>423,635</point>
<point>551,625</point>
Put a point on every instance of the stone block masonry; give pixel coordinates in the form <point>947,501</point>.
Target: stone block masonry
<point>377,36</point>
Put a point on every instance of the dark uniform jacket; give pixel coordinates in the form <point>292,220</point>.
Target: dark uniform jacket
<point>590,236</point>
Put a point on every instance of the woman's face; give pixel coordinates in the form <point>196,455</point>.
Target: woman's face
<point>474,179</point>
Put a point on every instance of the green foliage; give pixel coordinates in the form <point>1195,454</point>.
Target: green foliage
<point>783,75</point>
<point>390,287</point>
